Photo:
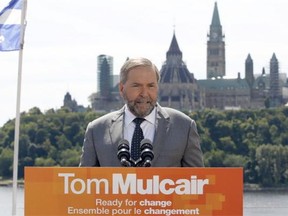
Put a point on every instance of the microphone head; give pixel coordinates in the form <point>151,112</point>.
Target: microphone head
<point>123,144</point>
<point>123,153</point>
<point>147,154</point>
<point>146,143</point>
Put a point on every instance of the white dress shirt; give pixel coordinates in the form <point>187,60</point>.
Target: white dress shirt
<point>148,126</point>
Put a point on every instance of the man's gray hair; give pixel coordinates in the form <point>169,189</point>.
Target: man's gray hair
<point>137,62</point>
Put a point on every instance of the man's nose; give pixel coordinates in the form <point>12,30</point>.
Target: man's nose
<point>144,91</point>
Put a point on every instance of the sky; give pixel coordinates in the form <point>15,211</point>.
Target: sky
<point>64,37</point>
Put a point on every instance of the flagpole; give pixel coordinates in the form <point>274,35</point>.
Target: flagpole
<point>17,120</point>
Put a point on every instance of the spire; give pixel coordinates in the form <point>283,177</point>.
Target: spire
<point>248,59</point>
<point>275,91</point>
<point>249,71</point>
<point>274,59</point>
<point>174,48</point>
<point>215,18</point>
<point>274,67</point>
<point>175,70</point>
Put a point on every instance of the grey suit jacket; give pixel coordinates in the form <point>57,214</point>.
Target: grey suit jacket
<point>176,142</point>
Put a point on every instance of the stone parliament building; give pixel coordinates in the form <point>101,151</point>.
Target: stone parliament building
<point>179,89</point>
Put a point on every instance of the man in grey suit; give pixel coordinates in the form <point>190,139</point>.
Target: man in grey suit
<point>173,134</point>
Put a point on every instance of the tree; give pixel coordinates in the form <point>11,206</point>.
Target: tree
<point>233,160</point>
<point>227,144</point>
<point>70,157</point>
<point>47,162</point>
<point>6,162</point>
<point>214,158</point>
<point>272,163</point>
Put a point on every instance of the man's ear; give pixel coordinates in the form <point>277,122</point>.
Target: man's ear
<point>121,87</point>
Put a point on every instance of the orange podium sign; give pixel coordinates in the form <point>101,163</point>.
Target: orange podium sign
<point>133,191</point>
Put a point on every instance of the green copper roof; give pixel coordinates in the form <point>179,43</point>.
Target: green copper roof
<point>224,84</point>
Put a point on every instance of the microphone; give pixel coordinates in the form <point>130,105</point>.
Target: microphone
<point>147,154</point>
<point>123,153</point>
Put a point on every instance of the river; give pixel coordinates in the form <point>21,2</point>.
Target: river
<point>268,203</point>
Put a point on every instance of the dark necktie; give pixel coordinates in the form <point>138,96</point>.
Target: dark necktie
<point>136,139</point>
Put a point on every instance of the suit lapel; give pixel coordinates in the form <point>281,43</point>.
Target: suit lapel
<point>161,131</point>
<point>116,127</point>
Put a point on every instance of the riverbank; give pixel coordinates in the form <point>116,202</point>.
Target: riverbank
<point>9,182</point>
<point>257,187</point>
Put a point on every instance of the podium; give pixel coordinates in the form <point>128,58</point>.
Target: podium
<point>131,191</point>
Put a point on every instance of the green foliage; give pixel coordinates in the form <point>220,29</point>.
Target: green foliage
<point>6,162</point>
<point>53,138</point>
<point>272,164</point>
<point>256,140</point>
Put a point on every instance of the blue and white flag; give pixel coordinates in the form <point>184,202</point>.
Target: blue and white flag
<point>10,26</point>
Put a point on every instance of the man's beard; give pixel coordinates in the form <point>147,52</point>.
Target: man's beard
<point>135,106</point>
